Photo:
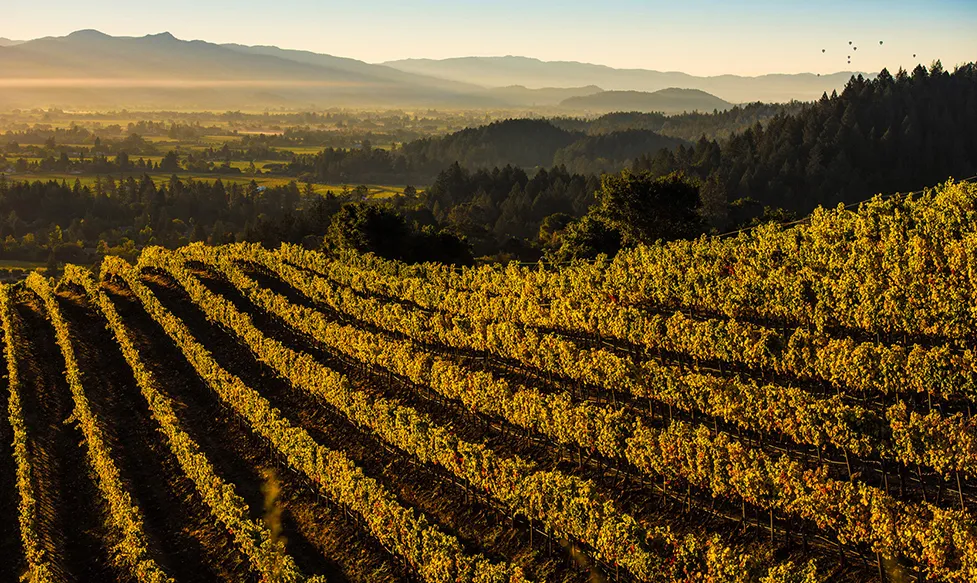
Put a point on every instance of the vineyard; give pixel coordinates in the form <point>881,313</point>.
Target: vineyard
<point>792,404</point>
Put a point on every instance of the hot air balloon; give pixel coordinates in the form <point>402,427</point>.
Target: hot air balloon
<point>849,43</point>
<point>856,48</point>
<point>822,50</point>
<point>914,55</point>
<point>880,42</point>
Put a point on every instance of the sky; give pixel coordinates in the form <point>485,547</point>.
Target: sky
<point>700,37</point>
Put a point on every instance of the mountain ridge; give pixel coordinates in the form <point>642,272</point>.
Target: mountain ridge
<point>161,69</point>
<point>91,69</point>
<point>533,73</point>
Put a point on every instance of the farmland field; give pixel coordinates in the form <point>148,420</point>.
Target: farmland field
<point>685,412</point>
<point>375,190</point>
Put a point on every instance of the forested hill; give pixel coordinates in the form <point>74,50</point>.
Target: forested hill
<point>688,126</point>
<point>525,143</point>
<point>520,142</point>
<point>530,143</point>
<point>893,133</point>
<point>611,142</point>
<point>672,100</point>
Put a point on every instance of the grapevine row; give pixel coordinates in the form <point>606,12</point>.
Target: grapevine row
<point>39,568</point>
<point>948,443</point>
<point>860,366</point>
<point>677,452</point>
<point>564,503</point>
<point>437,556</point>
<point>904,265</point>
<point>556,416</point>
<point>585,424</point>
<point>582,424</point>
<point>899,266</point>
<point>255,540</point>
<point>940,541</point>
<point>124,515</point>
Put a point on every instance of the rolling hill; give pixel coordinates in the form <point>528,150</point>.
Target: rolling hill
<point>518,95</point>
<point>667,101</point>
<point>538,143</point>
<point>534,73</point>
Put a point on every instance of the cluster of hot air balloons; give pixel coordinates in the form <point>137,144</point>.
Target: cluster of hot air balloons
<point>854,48</point>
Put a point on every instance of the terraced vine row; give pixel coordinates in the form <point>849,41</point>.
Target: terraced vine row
<point>855,366</point>
<point>942,442</point>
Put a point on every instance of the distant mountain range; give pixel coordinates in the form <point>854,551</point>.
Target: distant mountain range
<point>534,73</point>
<point>6,42</point>
<point>93,70</point>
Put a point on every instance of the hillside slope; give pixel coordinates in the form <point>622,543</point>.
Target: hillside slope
<point>519,95</point>
<point>670,100</point>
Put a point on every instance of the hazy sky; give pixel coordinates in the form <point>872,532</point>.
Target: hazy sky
<point>704,37</point>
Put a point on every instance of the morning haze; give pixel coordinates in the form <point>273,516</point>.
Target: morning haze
<point>466,54</point>
<point>698,37</point>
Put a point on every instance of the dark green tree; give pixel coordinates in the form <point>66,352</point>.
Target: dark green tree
<point>552,228</point>
<point>368,228</point>
<point>586,239</point>
<point>644,208</point>
<point>714,206</point>
<point>170,163</point>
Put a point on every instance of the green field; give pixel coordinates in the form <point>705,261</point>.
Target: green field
<point>7,264</point>
<point>375,190</point>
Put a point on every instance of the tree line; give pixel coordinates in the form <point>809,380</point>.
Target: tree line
<point>54,222</point>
